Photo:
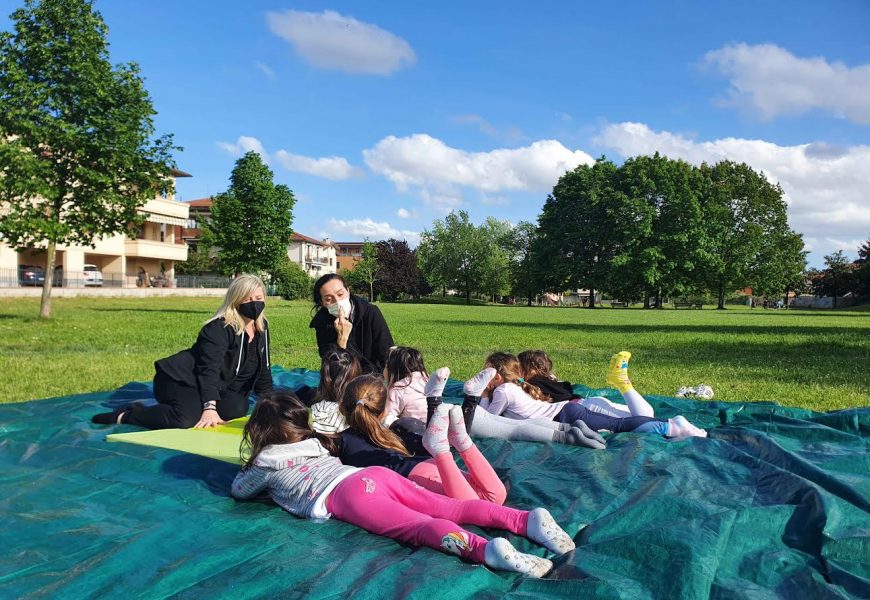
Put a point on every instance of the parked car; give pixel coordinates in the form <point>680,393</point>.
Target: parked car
<point>31,275</point>
<point>93,275</point>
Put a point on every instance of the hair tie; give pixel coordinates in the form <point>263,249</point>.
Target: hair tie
<point>521,380</point>
<point>358,402</point>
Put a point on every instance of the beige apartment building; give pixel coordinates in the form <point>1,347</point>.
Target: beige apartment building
<point>123,261</point>
<point>316,257</point>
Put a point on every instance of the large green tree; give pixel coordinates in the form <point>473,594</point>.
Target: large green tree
<point>862,272</point>
<point>365,271</point>
<point>525,267</point>
<point>664,243</point>
<point>498,237</point>
<point>454,254</point>
<point>586,229</point>
<point>78,154</point>
<point>744,217</point>
<point>251,223</point>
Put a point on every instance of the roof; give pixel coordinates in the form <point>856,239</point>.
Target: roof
<point>298,237</point>
<point>179,173</point>
<point>200,203</point>
<point>360,244</point>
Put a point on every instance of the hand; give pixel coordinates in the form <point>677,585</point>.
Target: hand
<point>343,328</point>
<point>209,418</point>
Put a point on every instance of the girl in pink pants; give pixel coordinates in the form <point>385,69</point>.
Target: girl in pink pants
<point>284,459</point>
<point>368,443</point>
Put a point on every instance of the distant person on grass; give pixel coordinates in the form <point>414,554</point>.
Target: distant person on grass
<point>209,383</point>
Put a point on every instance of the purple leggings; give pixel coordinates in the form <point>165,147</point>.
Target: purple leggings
<point>383,502</point>
<point>574,411</point>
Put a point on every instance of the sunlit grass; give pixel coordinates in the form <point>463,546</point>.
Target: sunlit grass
<point>812,359</point>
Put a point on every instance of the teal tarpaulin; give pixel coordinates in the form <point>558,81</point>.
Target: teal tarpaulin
<point>774,504</point>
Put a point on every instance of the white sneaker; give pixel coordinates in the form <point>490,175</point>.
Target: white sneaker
<point>685,391</point>
<point>703,391</point>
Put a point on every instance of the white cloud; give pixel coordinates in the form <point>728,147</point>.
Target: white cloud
<point>268,72</point>
<point>367,228</point>
<point>329,167</point>
<point>404,213</point>
<point>825,187</point>
<point>244,145</point>
<point>329,40</point>
<point>775,82</point>
<point>494,200</point>
<point>423,161</point>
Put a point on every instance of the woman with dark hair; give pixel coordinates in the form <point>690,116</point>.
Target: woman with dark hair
<point>349,322</point>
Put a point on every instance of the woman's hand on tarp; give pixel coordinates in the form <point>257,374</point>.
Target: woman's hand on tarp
<point>209,418</point>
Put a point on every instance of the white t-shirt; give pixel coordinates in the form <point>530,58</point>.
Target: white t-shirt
<point>509,400</point>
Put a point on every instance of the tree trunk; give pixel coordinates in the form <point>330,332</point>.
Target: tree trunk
<point>721,305</point>
<point>834,306</point>
<point>591,297</point>
<point>785,299</point>
<point>646,299</point>
<point>659,299</point>
<point>45,306</point>
<point>371,291</point>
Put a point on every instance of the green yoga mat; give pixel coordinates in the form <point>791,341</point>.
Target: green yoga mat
<point>221,442</point>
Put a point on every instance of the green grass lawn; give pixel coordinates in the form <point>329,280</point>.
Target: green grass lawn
<point>812,359</point>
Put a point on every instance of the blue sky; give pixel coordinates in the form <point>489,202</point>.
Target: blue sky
<point>383,116</point>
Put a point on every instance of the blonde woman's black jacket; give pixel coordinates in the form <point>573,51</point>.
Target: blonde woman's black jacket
<point>370,336</point>
<point>215,358</point>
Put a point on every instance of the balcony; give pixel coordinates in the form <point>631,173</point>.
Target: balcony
<point>155,249</point>
<point>316,260</point>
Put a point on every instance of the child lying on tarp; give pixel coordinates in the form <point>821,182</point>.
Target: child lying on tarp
<point>514,397</point>
<point>415,394</point>
<point>294,465</point>
<point>368,442</point>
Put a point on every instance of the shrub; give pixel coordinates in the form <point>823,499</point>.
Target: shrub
<point>290,281</point>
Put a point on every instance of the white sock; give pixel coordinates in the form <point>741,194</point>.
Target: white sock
<point>456,434</point>
<point>477,384</point>
<point>435,438</point>
<point>437,380</point>
<point>637,404</point>
<point>500,554</point>
<point>544,530</point>
<point>679,427</point>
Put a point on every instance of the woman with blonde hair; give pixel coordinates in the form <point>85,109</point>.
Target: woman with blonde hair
<point>209,383</point>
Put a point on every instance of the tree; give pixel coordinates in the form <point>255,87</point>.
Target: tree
<point>780,266</point>
<point>251,222</point>
<point>837,279</point>
<point>199,261</point>
<point>366,269</point>
<point>398,272</point>
<point>291,281</point>
<point>454,254</point>
<point>77,154</point>
<point>663,246</point>
<point>498,237</point>
<point>744,216</point>
<point>525,279</point>
<point>586,229</point>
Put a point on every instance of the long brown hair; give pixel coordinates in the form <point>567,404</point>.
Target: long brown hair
<point>363,404</point>
<point>508,366</point>
<point>536,363</point>
<point>337,369</point>
<point>402,361</point>
<point>279,417</point>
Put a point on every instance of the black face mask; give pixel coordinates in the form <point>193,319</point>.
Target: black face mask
<point>252,309</point>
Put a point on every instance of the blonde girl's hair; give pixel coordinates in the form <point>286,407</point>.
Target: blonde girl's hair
<point>241,287</point>
<point>508,366</point>
<point>363,404</point>
<point>536,363</point>
<point>279,417</point>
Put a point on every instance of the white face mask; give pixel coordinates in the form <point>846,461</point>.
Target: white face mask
<point>343,304</point>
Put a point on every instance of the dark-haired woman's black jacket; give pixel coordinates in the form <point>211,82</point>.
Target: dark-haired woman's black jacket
<point>370,337</point>
<point>214,360</point>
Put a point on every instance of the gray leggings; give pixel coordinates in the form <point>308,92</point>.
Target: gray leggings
<point>487,425</point>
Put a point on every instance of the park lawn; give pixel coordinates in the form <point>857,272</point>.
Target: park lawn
<point>810,359</point>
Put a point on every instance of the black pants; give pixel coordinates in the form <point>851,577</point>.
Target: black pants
<point>180,407</point>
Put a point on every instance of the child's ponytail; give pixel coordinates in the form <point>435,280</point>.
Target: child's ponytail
<point>363,405</point>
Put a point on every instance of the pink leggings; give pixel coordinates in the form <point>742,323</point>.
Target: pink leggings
<point>383,502</point>
<point>442,476</point>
